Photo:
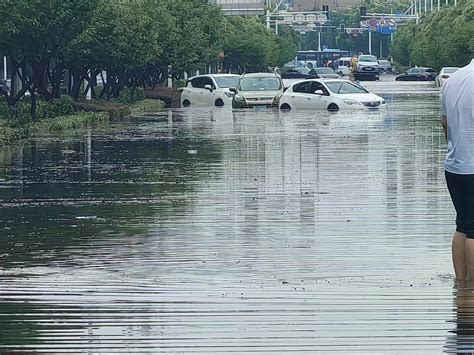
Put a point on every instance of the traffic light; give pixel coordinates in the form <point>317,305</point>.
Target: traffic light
<point>362,12</point>
<point>326,10</point>
<point>343,28</point>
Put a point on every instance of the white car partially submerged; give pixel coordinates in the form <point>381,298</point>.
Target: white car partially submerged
<point>329,94</point>
<point>444,75</point>
<point>209,90</point>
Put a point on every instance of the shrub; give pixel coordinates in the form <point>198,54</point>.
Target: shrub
<point>77,120</point>
<point>147,105</point>
<point>131,95</point>
<point>61,107</point>
<point>9,133</point>
<point>114,109</point>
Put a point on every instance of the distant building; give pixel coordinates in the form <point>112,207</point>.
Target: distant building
<point>241,7</point>
<point>311,5</point>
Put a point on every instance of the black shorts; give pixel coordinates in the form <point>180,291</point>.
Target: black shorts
<point>461,189</point>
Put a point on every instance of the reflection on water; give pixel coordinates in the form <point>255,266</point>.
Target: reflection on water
<point>220,230</point>
<point>462,339</point>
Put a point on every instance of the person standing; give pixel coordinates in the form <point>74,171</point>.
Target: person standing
<point>458,123</point>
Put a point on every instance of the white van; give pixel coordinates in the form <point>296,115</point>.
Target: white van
<point>343,66</point>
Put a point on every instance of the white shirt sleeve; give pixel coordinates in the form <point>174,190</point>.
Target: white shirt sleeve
<point>443,102</point>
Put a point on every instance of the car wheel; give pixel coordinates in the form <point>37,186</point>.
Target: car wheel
<point>219,103</point>
<point>285,107</point>
<point>333,108</point>
<point>186,103</point>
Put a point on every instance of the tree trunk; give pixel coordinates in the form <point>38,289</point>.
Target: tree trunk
<point>33,105</point>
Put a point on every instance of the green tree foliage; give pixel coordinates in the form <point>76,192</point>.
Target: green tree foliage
<point>249,46</point>
<point>132,42</point>
<point>443,38</point>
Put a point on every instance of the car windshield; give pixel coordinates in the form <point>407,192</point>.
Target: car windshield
<point>384,62</point>
<point>367,58</point>
<point>227,81</point>
<point>259,83</point>
<point>343,87</point>
<point>324,71</point>
<point>450,70</point>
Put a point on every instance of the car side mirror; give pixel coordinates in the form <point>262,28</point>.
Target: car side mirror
<point>319,92</point>
<point>208,87</point>
<point>234,90</point>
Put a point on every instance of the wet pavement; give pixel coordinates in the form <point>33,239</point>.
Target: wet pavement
<point>215,231</point>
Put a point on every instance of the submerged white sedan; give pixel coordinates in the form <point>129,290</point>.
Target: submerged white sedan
<point>329,94</point>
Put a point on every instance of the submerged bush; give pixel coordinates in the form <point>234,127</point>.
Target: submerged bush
<point>77,120</point>
<point>148,105</point>
<point>115,110</point>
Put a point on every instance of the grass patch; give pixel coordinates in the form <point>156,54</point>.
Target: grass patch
<point>74,121</point>
<point>115,110</point>
<point>147,105</point>
<point>11,133</point>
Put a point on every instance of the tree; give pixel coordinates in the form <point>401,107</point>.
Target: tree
<point>443,38</point>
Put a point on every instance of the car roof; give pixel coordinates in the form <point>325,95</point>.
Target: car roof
<point>223,75</point>
<point>214,75</point>
<point>323,80</point>
<point>345,58</point>
<point>260,75</point>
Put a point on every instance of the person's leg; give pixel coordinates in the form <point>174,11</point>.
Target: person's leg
<point>469,251</point>
<point>459,253</point>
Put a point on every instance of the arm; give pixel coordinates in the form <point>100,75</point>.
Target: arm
<point>444,123</point>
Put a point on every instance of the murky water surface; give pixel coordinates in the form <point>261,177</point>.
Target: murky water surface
<point>207,230</point>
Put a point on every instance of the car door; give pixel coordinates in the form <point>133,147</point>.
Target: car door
<point>319,101</point>
<point>413,74</point>
<point>209,96</point>
<point>198,95</point>
<point>195,91</point>
<point>301,96</point>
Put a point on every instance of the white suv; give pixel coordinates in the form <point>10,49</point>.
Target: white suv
<point>209,90</point>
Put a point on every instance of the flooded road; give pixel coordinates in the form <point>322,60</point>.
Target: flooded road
<point>212,231</point>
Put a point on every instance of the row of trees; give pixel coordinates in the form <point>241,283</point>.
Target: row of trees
<point>133,41</point>
<point>443,38</point>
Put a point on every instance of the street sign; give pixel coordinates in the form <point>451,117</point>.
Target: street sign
<point>384,25</point>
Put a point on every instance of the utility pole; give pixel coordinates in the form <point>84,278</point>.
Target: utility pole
<point>4,72</point>
<point>319,39</point>
<point>370,42</point>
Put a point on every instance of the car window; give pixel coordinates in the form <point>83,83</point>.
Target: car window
<point>324,71</point>
<point>430,70</point>
<point>227,81</point>
<point>304,87</point>
<point>201,81</point>
<point>413,71</point>
<point>259,83</point>
<point>318,86</point>
<point>367,58</point>
<point>343,87</point>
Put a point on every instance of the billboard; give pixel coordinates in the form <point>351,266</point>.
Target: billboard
<point>384,25</point>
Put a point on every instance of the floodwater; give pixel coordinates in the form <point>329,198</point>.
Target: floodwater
<point>212,231</point>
